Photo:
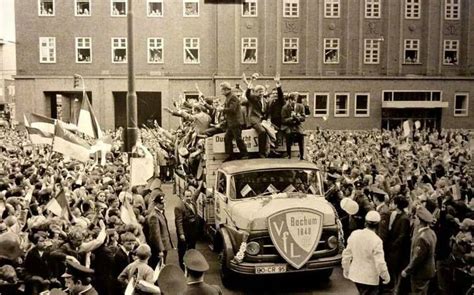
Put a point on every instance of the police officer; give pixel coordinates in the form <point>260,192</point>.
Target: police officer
<point>195,267</point>
<point>363,259</point>
<point>81,278</point>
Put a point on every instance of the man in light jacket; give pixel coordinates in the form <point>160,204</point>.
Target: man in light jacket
<point>363,259</point>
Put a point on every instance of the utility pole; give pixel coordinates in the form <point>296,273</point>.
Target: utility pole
<point>131,132</point>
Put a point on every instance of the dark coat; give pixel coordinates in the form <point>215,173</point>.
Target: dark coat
<point>256,109</point>
<point>158,233</point>
<point>104,259</point>
<point>382,230</point>
<point>398,243</point>
<point>291,124</point>
<point>186,221</point>
<point>36,265</point>
<point>422,255</point>
<point>275,106</point>
<point>233,113</point>
<point>202,289</point>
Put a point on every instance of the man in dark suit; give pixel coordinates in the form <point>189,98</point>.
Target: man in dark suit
<point>158,236</point>
<point>234,121</point>
<point>257,107</point>
<point>421,268</point>
<point>275,103</point>
<point>187,224</point>
<point>397,248</point>
<point>292,116</point>
<point>380,197</point>
<point>196,265</point>
<point>123,257</point>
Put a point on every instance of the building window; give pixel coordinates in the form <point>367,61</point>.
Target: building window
<point>451,52</point>
<point>321,104</point>
<point>46,7</point>
<point>154,8</point>
<point>291,8</point>
<point>362,105</point>
<point>461,104</point>
<point>332,8</point>
<point>372,8</point>
<point>155,50</point>
<point>47,49</point>
<point>119,50</point>
<point>118,8</point>
<point>412,48</point>
<point>249,50</point>
<point>412,9</point>
<point>83,50</point>
<point>411,95</point>
<point>290,50</point>
<point>190,8</point>
<point>191,50</point>
<point>341,105</point>
<point>452,9</point>
<point>83,8</point>
<point>249,8</point>
<point>331,50</point>
<point>371,51</point>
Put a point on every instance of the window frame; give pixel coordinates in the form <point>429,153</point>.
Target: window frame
<point>112,8</point>
<point>291,2</point>
<point>126,50</point>
<point>83,47</point>
<point>452,6</point>
<point>451,41</point>
<point>82,15</point>
<point>329,13</point>
<point>348,96</point>
<point>242,52</point>
<point>249,2</point>
<point>198,48</point>
<point>148,8</point>
<point>357,94</point>
<point>411,42</point>
<point>198,8</point>
<point>372,4</point>
<point>290,39</point>
<point>465,112</point>
<point>162,50</point>
<point>326,94</point>
<point>47,15</point>
<point>376,50</point>
<point>409,12</point>
<point>40,50</point>
<point>431,91</point>
<point>338,50</point>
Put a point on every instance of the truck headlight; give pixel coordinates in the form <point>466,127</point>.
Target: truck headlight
<point>332,242</point>
<point>253,248</point>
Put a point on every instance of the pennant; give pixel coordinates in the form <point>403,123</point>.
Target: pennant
<point>42,123</point>
<point>69,144</point>
<point>54,207</point>
<point>87,122</point>
<point>245,190</point>
<point>38,136</point>
<point>272,189</point>
<point>289,189</point>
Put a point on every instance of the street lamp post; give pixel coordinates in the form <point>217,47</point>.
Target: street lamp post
<point>131,132</point>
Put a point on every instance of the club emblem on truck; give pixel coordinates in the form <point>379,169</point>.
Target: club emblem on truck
<point>295,233</point>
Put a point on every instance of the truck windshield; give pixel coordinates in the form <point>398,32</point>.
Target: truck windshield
<point>268,182</point>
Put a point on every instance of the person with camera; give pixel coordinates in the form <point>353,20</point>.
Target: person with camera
<point>293,116</point>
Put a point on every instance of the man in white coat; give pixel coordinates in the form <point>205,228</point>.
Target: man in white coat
<point>363,259</point>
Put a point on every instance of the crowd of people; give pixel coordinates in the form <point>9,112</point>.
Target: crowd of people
<point>106,232</point>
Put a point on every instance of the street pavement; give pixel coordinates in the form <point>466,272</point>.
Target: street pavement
<point>279,284</point>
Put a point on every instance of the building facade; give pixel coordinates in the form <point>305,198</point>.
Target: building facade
<point>362,64</point>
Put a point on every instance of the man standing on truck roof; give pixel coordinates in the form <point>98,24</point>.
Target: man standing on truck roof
<point>235,120</point>
<point>293,116</point>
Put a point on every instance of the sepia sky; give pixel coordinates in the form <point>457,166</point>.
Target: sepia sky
<point>7,20</point>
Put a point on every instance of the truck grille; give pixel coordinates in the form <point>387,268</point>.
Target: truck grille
<point>269,254</point>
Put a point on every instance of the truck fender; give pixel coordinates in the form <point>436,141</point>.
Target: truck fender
<point>226,244</point>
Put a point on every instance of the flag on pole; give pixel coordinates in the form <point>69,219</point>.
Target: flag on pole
<point>39,137</point>
<point>42,123</point>
<point>87,122</point>
<point>59,205</point>
<point>68,144</point>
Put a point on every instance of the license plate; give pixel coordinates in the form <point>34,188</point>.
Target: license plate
<point>278,268</point>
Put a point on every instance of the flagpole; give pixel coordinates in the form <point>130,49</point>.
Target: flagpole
<point>131,132</point>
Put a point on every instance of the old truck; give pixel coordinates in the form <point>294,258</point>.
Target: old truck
<point>266,216</point>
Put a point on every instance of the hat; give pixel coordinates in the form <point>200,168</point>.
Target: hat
<point>157,196</point>
<point>225,85</point>
<point>372,216</point>
<point>193,260</point>
<point>350,206</point>
<point>171,280</point>
<point>424,214</point>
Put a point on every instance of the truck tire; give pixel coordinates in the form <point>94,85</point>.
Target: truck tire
<point>227,276</point>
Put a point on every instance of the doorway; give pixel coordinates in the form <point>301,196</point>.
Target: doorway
<point>148,108</point>
<point>394,118</point>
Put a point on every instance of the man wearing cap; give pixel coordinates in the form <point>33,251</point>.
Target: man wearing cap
<point>235,120</point>
<point>81,278</point>
<point>421,268</point>
<point>363,260</point>
<point>195,267</point>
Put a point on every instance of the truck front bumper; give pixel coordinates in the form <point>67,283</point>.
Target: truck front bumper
<point>247,268</point>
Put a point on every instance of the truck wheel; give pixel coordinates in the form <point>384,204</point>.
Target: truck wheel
<point>325,274</point>
<point>227,276</point>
